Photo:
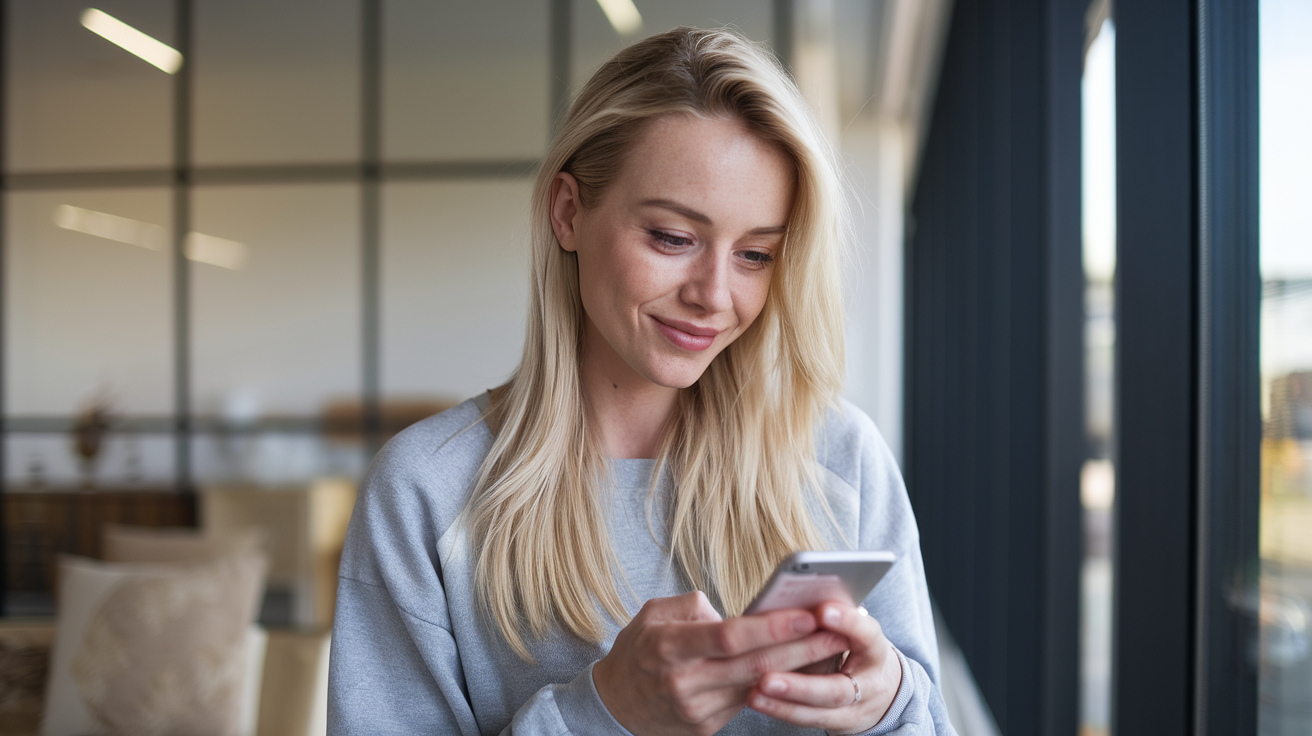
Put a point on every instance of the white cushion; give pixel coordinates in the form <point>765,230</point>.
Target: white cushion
<point>155,648</point>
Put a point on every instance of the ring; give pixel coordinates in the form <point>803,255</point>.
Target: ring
<point>856,689</point>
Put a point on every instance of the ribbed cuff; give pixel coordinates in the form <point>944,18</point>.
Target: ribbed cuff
<point>582,710</point>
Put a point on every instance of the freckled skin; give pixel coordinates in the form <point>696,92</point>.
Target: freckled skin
<point>629,278</point>
<point>675,262</point>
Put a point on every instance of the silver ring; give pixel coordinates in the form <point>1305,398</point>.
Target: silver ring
<point>856,689</point>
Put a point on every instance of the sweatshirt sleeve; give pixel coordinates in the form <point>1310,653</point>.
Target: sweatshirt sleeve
<point>395,667</point>
<point>392,673</point>
<point>900,603</point>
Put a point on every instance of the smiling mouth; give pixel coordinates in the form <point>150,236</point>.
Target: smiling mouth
<point>684,339</point>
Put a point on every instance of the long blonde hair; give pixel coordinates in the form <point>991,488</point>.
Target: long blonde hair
<point>741,445</point>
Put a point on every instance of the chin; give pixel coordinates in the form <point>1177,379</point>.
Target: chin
<point>676,376</point>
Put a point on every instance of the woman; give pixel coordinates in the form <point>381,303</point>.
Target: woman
<point>569,553</point>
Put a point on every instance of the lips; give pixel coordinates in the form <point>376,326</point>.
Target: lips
<point>686,335</point>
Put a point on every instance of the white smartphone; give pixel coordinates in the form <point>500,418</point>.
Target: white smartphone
<point>807,579</point>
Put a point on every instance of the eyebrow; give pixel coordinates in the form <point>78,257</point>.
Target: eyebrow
<point>696,216</point>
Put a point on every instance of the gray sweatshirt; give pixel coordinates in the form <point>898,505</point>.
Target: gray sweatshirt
<point>412,654</point>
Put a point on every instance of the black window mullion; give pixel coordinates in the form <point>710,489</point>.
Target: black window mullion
<point>182,182</point>
<point>1230,425</point>
<point>371,81</point>
<point>1155,370</point>
<point>1188,427</point>
<point>4,229</point>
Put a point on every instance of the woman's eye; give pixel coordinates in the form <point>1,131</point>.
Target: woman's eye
<point>758,257</point>
<point>670,238</point>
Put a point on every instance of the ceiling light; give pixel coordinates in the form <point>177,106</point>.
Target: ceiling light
<point>116,31</point>
<point>219,252</point>
<point>199,247</point>
<point>623,16</point>
<point>110,227</point>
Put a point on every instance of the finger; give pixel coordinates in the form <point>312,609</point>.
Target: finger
<point>863,630</point>
<point>750,667</point>
<point>692,606</point>
<point>827,666</point>
<point>743,634</point>
<point>821,691</point>
<point>807,716</point>
<point>716,706</point>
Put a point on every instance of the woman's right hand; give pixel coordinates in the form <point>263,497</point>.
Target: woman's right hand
<point>678,668</point>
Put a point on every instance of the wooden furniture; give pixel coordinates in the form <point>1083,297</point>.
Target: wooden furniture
<point>40,524</point>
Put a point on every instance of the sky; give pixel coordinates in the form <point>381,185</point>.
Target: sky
<point>1285,27</point>
<point>1286,159</point>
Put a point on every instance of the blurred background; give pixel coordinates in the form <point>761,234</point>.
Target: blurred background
<point>243,243</point>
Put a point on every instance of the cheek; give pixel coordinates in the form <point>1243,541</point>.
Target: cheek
<point>750,300</point>
<point>615,279</point>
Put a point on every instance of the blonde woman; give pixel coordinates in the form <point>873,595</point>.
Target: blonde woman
<point>571,552</point>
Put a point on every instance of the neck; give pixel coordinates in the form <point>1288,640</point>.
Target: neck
<point>628,411</point>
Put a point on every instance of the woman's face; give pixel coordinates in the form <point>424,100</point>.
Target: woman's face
<point>676,259</point>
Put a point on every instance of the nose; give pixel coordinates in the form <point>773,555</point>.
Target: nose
<point>707,282</point>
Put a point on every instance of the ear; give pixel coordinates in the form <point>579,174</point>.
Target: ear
<point>565,208</point>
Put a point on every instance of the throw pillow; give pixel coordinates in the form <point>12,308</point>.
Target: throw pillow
<point>123,543</point>
<point>153,648</point>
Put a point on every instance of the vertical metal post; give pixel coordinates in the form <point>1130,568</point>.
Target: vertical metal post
<point>4,254</point>
<point>1064,282</point>
<point>1157,358</point>
<point>561,50</point>
<point>371,82</point>
<point>182,86</point>
<point>1229,384</point>
<point>784,31</point>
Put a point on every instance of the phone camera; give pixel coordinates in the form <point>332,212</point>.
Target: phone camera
<point>804,567</point>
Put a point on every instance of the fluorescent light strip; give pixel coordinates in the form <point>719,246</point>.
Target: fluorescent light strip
<point>219,252</point>
<point>623,16</point>
<point>116,31</point>
<point>110,227</point>
<point>199,247</point>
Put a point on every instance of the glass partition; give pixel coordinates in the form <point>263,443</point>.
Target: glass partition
<point>597,37</point>
<point>276,300</point>
<point>1283,652</point>
<point>465,81</point>
<point>455,286</point>
<point>88,300</point>
<point>276,82</point>
<point>76,101</point>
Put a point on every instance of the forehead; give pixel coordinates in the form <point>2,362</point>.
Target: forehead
<point>714,165</point>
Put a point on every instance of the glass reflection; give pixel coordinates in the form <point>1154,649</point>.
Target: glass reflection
<point>88,302</point>
<point>453,249</point>
<point>464,81</point>
<point>276,324</point>
<point>77,101</point>
<point>1097,479</point>
<point>1284,659</point>
<point>276,82</point>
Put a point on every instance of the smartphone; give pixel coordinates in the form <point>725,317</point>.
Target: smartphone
<point>807,579</point>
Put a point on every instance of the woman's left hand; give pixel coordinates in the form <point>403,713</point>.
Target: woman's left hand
<point>830,701</point>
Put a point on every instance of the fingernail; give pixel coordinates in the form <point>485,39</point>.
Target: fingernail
<point>803,624</point>
<point>775,687</point>
<point>832,616</point>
